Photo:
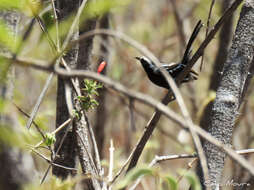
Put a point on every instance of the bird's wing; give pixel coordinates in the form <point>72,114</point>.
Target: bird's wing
<point>169,67</point>
<point>175,66</point>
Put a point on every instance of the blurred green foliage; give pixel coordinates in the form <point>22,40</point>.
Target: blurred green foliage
<point>147,21</point>
<point>93,9</point>
<point>7,39</point>
<point>29,7</point>
<point>134,174</point>
<point>53,184</point>
<point>5,65</point>
<point>13,4</point>
<point>192,179</point>
<point>169,182</point>
<point>20,138</point>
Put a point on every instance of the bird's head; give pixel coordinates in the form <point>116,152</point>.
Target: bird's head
<point>144,60</point>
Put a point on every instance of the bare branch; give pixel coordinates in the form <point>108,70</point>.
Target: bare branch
<point>158,106</point>
<point>159,159</point>
<point>209,37</point>
<point>207,29</point>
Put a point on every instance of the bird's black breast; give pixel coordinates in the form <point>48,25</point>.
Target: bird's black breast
<point>154,74</point>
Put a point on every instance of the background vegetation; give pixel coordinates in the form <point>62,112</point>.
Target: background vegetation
<point>163,26</point>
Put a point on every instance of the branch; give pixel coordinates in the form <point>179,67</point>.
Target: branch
<point>159,159</point>
<point>143,98</point>
<point>209,37</point>
<point>207,29</point>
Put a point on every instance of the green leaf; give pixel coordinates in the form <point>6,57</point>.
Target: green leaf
<point>192,179</point>
<point>171,182</point>
<point>50,139</point>
<point>133,175</point>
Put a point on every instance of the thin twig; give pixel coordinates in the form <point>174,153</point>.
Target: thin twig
<point>35,124</point>
<point>39,100</point>
<point>111,163</point>
<point>159,159</point>
<point>49,161</point>
<point>57,25</point>
<point>74,24</point>
<point>95,147</point>
<point>189,122</point>
<point>208,39</point>
<point>56,49</point>
<point>207,29</point>
<point>123,167</point>
<point>158,106</point>
<point>179,24</point>
<point>155,118</point>
<point>56,131</point>
<point>54,157</point>
<point>89,156</point>
<point>131,113</point>
<point>45,31</point>
<point>189,166</point>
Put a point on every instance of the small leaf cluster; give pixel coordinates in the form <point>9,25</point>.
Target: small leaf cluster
<point>90,90</point>
<point>50,139</point>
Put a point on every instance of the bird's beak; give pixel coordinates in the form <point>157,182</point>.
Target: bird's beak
<point>138,58</point>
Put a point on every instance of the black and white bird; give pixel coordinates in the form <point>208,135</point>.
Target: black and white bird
<point>154,72</point>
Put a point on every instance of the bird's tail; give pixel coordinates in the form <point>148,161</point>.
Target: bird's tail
<point>190,42</point>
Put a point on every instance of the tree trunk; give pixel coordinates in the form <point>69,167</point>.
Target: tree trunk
<point>230,92</point>
<point>67,154</point>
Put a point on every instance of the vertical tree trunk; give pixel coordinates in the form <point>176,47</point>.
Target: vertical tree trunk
<point>84,143</point>
<point>224,42</point>
<point>229,94</point>
<point>67,155</point>
<point>77,142</point>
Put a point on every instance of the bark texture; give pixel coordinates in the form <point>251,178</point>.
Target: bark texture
<point>230,92</point>
<point>85,147</point>
<point>225,37</point>
<point>67,155</point>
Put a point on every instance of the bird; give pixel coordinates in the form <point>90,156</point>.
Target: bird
<point>154,72</point>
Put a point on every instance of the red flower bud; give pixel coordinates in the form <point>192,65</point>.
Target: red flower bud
<point>101,66</point>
